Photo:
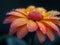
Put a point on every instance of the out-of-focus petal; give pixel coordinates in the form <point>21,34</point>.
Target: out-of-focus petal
<point>41,10</point>
<point>58,33</point>
<point>41,36</point>
<point>50,35</point>
<point>53,13</point>
<point>52,26</point>
<point>31,26</point>
<point>10,19</point>
<point>14,13</point>
<point>12,31</point>
<point>30,8</point>
<point>22,32</point>
<point>18,22</point>
<point>55,18</point>
<point>42,27</point>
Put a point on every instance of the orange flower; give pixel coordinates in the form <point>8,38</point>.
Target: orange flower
<point>31,19</point>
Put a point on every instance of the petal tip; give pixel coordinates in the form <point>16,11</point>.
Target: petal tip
<point>59,33</point>
<point>5,21</point>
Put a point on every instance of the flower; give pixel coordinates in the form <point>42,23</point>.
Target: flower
<point>34,19</point>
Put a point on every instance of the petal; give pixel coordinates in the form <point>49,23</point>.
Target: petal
<point>14,13</point>
<point>52,25</point>
<point>41,36</point>
<point>41,10</point>
<point>10,19</point>
<point>53,13</point>
<point>42,27</point>
<point>50,35</point>
<point>22,32</point>
<point>58,33</point>
<point>55,18</point>
<point>56,22</point>
<point>31,26</point>
<point>30,8</point>
<point>18,22</point>
<point>12,31</point>
<point>22,11</point>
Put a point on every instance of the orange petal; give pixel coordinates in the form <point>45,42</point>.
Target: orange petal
<point>12,31</point>
<point>42,27</point>
<point>22,32</point>
<point>15,14</point>
<point>31,26</point>
<point>56,22</point>
<point>22,11</point>
<point>50,35</point>
<point>9,19</point>
<point>53,26</point>
<point>18,22</point>
<point>41,36</point>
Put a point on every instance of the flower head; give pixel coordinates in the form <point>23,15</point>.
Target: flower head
<point>31,19</point>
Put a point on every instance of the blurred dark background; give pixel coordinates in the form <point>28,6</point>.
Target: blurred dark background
<point>7,5</point>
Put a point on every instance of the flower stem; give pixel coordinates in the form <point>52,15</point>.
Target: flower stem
<point>32,37</point>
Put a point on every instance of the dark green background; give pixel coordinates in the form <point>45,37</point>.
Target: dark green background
<point>7,5</point>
